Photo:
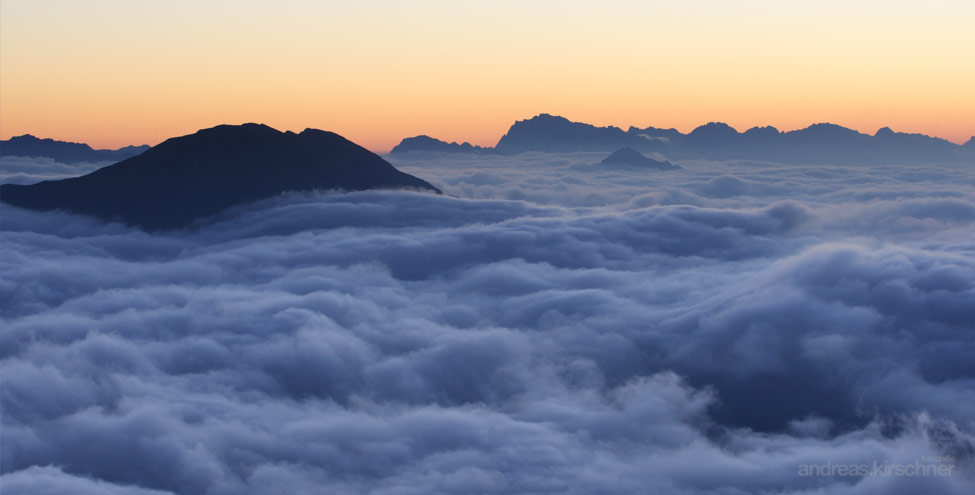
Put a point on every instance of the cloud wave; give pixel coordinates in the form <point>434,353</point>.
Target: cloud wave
<point>546,327</point>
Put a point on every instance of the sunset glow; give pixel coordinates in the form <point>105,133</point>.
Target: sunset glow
<point>511,247</point>
<point>114,73</point>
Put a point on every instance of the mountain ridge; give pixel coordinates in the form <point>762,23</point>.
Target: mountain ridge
<point>198,175</point>
<point>64,151</point>
<point>426,143</point>
<point>822,142</point>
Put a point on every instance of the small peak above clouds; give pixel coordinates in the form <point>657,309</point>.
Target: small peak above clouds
<point>632,158</point>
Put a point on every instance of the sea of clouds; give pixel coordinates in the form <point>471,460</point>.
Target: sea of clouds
<point>548,325</point>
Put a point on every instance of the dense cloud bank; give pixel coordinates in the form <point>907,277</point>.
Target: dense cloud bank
<point>549,326</point>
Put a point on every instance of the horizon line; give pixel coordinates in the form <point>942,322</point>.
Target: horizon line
<point>503,133</point>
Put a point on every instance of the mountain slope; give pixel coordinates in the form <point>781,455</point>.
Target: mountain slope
<point>198,175</point>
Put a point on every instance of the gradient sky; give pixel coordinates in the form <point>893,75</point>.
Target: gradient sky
<point>118,72</point>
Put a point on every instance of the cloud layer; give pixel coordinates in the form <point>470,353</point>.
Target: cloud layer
<point>28,170</point>
<point>547,327</point>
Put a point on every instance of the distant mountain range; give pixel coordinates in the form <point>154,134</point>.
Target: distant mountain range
<point>818,143</point>
<point>427,143</point>
<point>189,177</point>
<point>64,151</point>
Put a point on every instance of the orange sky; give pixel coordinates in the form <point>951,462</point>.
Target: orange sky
<point>113,73</point>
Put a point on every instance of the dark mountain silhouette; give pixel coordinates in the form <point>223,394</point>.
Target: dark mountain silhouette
<point>550,133</point>
<point>427,143</point>
<point>818,143</point>
<point>198,175</point>
<point>915,146</point>
<point>63,151</point>
<point>762,134</point>
<point>629,157</point>
<point>759,138</point>
<point>711,137</point>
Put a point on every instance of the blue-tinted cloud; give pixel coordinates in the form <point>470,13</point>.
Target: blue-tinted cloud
<point>544,327</point>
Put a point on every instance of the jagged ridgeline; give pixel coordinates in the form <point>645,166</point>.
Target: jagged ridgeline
<point>64,151</point>
<point>818,143</point>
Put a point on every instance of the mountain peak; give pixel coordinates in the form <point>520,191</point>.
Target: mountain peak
<point>763,131</point>
<point>426,143</point>
<point>31,140</point>
<point>546,132</point>
<point>239,130</point>
<point>198,175</point>
<point>713,135</point>
<point>548,117</point>
<point>828,129</point>
<point>715,125</point>
<point>714,129</point>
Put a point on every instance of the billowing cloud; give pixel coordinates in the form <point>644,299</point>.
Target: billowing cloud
<point>546,326</point>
